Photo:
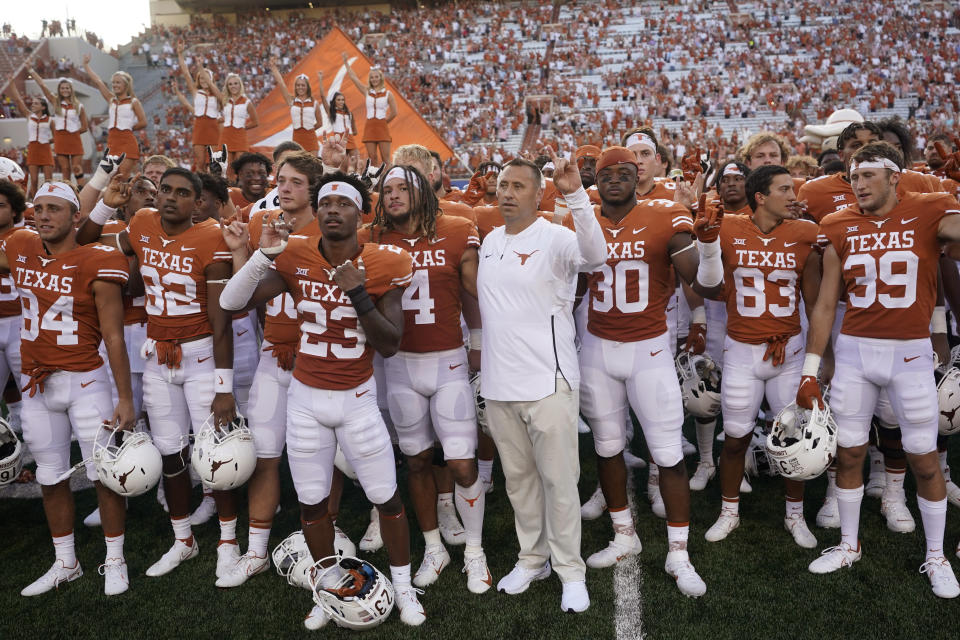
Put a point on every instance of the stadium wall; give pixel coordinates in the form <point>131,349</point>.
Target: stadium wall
<point>169,13</point>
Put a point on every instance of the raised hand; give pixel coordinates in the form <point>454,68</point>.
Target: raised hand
<point>218,161</point>
<point>476,189</point>
<point>709,217</point>
<point>566,176</point>
<point>236,235</point>
<point>274,235</point>
<point>691,165</point>
<point>118,191</point>
<point>687,193</point>
<point>951,161</point>
<point>333,152</point>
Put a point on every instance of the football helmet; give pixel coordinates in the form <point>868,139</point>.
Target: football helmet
<point>480,403</point>
<point>129,464</point>
<point>293,560</point>
<point>954,356</point>
<point>700,384</point>
<point>224,457</point>
<point>757,462</point>
<point>354,593</point>
<point>10,170</point>
<point>948,398</point>
<point>802,442</point>
<point>11,454</point>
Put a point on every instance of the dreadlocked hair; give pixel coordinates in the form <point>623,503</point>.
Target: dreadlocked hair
<point>424,206</point>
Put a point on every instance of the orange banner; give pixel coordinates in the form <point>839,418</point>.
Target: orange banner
<point>275,126</point>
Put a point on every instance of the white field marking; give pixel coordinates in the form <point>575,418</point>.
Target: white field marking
<point>628,587</point>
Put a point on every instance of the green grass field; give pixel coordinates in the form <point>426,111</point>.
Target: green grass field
<point>757,581</point>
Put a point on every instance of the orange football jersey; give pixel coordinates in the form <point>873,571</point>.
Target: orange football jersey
<point>236,197</point>
<point>431,303</point>
<point>134,308</point>
<point>762,274</point>
<point>890,265</point>
<point>833,193</point>
<point>333,352</point>
<point>629,294</point>
<point>173,274</point>
<point>61,328</point>
<point>9,298</point>
<point>280,325</point>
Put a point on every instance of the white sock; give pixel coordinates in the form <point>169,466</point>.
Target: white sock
<point>400,576</point>
<point>729,506</point>
<point>444,501</point>
<point>876,460</point>
<point>432,538</point>
<point>677,535</point>
<point>485,468</point>
<point>114,546</point>
<point>64,550</point>
<point>181,528</point>
<point>228,530</point>
<point>831,483</point>
<point>894,488</point>
<point>943,464</point>
<point>622,522</point>
<point>934,517</point>
<point>705,431</point>
<point>794,507</point>
<point>848,504</point>
<point>258,539</point>
<point>471,503</point>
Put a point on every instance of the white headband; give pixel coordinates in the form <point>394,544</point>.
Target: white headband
<point>640,139</point>
<point>549,167</point>
<point>341,189</point>
<point>302,75</point>
<point>879,163</point>
<point>58,190</point>
<point>732,170</point>
<point>398,172</point>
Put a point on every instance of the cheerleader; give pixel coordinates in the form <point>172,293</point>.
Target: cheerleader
<point>239,115</point>
<point>69,123</point>
<point>39,134</point>
<point>303,109</point>
<point>381,109</point>
<point>206,109</point>
<point>124,116</point>
<point>342,122</point>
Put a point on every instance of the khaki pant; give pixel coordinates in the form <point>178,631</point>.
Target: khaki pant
<point>537,443</point>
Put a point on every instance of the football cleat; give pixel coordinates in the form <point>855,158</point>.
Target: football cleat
<point>802,443</point>
<point>745,485</point>
<point>519,579</point>
<point>371,540</point>
<point>206,510</point>
<point>246,566</point>
<point>93,520</point>
<point>723,527</point>
<point>575,598</point>
<point>224,456</point>
<point>53,578</point>
<point>115,579</point>
<point>834,558</point>
<point>450,528</point>
<point>316,619</point>
<point>228,553</point>
<point>435,560</point>
<point>953,493</point>
<point>828,517</point>
<point>594,507</point>
<point>11,452</point>
<point>797,527</point>
<point>895,510</point>
<point>941,577</point>
<point>688,580</point>
<point>411,611</point>
<point>704,473</point>
<point>172,559</point>
<point>619,548</point>
<point>353,593</point>
<point>876,482</point>
<point>479,579</point>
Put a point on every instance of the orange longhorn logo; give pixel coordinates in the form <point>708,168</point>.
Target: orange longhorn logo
<point>525,256</point>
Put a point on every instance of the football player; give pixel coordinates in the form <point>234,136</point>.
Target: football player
<point>428,388</point>
<point>189,347</point>
<point>881,257</point>
<point>70,298</point>
<point>348,299</point>
<point>12,205</point>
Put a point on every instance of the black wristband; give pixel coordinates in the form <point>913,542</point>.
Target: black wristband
<point>361,300</point>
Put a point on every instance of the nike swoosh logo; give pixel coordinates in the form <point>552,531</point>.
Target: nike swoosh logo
<point>794,353</point>
<point>669,309</point>
<point>641,230</point>
<point>789,244</point>
<point>240,333</point>
<point>910,359</point>
<point>68,266</point>
<point>908,221</point>
<point>438,240</point>
<point>454,366</point>
<point>187,248</point>
<point>487,255</point>
<point>653,354</point>
<point>84,385</point>
<point>363,393</point>
<point>202,360</point>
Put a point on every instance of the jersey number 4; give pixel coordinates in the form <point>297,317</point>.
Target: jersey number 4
<point>58,319</point>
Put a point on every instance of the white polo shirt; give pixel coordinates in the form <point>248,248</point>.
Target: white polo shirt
<point>526,284</point>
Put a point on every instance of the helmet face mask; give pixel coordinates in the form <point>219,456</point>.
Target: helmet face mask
<point>802,443</point>
<point>127,463</point>
<point>11,455</point>
<point>700,379</point>
<point>354,593</point>
<point>293,561</point>
<point>224,458</point>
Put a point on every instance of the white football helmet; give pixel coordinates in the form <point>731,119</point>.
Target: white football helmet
<point>10,170</point>
<point>948,397</point>
<point>11,454</point>
<point>129,464</point>
<point>481,404</point>
<point>802,443</point>
<point>700,384</point>
<point>293,561</point>
<point>757,463</point>
<point>224,457</point>
<point>353,592</point>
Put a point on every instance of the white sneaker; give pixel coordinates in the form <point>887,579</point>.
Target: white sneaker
<point>941,576</point>
<point>619,548</point>
<point>834,558</point>
<point>479,579</point>
<point>411,611</point>
<point>450,528</point>
<point>745,485</point>
<point>659,509</point>
<point>52,579</point>
<point>203,513</point>
<point>875,484</point>
<point>115,579</point>
<point>227,557</point>
<point>894,509</point>
<point>688,448</point>
<point>518,580</point>
<point>594,507</point>
<point>721,436</point>
<point>488,486</point>
<point>633,462</point>
<point>797,527</point>
<point>435,560</point>
<point>93,520</point>
<point>575,598</point>
<point>169,561</point>
<point>371,540</point>
<point>953,493</point>
<point>723,527</point>
<point>316,619</point>
<point>829,515</point>
<point>582,426</point>
<point>247,566</point>
<point>162,497</point>
<point>688,581</point>
<point>704,473</point>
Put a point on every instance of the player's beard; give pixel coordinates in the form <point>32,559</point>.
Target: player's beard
<point>437,185</point>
